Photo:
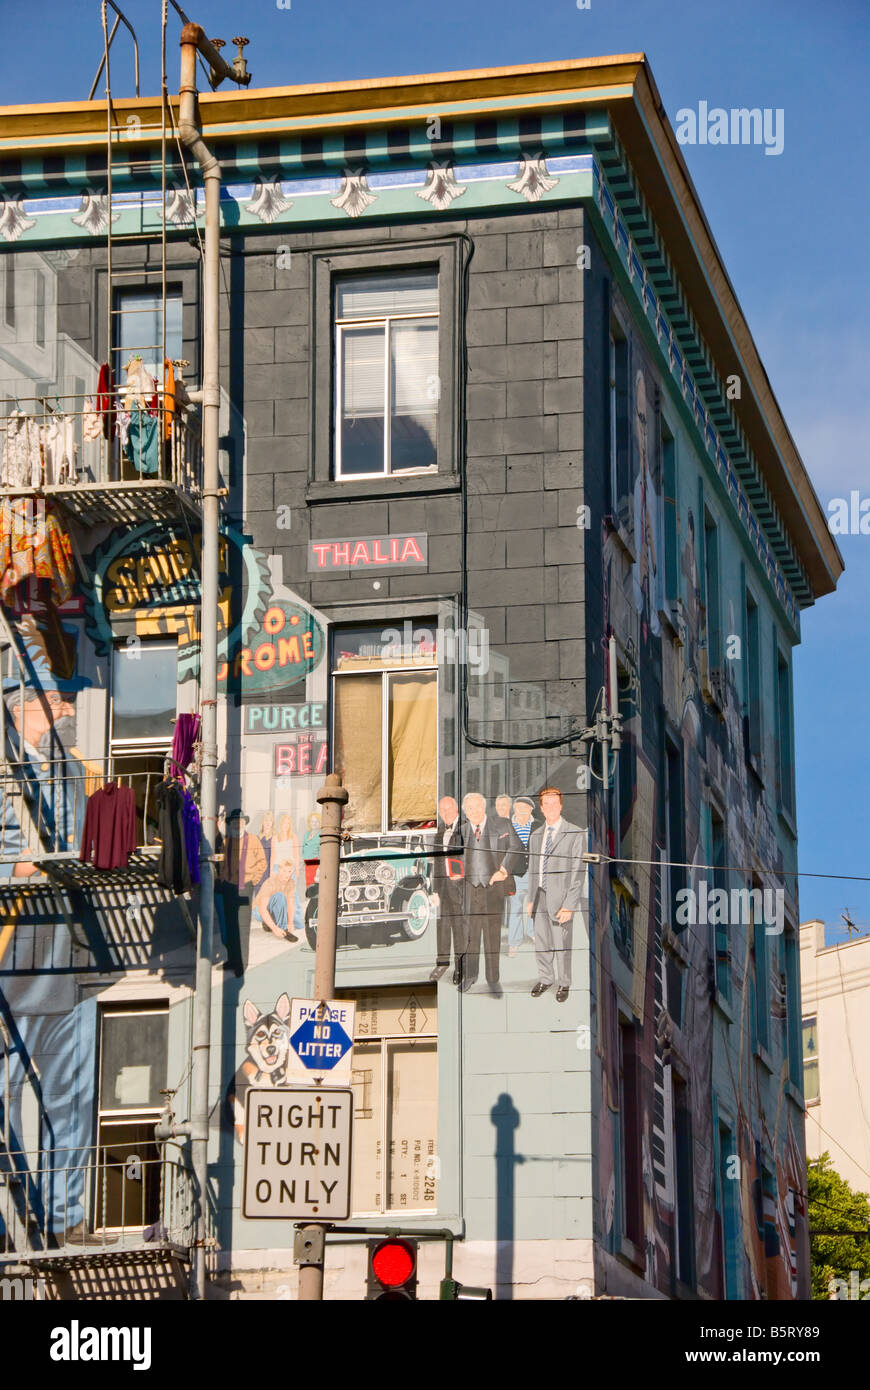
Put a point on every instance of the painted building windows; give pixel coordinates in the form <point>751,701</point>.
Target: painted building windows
<point>133,1071</point>
<point>629,1135</point>
<point>387,382</point>
<point>9,290</point>
<point>684,1206</point>
<point>753,680</point>
<point>762,978</point>
<point>675,828</point>
<point>784,754</point>
<point>811,1059</point>
<point>713,601</point>
<point>722,955</point>
<point>395,1086</point>
<point>620,446</point>
<point>39,327</point>
<point>670,514</point>
<point>385,728</point>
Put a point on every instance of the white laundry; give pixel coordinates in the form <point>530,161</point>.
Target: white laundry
<point>21,459</point>
<point>59,450</point>
<point>122,426</point>
<point>92,423</point>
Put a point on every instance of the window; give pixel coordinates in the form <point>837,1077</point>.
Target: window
<point>133,1071</point>
<point>139,328</point>
<point>793,1006</point>
<point>728,1189</point>
<point>387,382</point>
<point>629,1134</point>
<point>684,1207</point>
<point>762,976</point>
<point>720,881</point>
<point>144,698</point>
<point>675,849</point>
<point>9,291</point>
<point>753,680</point>
<point>39,329</point>
<point>620,452</point>
<point>811,1059</point>
<point>625,779</point>
<point>711,577</point>
<point>385,722</point>
<point>671,515</point>
<point>784,759</point>
<point>395,1086</point>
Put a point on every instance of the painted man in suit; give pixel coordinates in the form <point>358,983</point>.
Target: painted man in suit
<point>448,886</point>
<point>493,853</point>
<point>557,879</point>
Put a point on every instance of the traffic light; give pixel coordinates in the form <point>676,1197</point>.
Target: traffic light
<point>392,1269</point>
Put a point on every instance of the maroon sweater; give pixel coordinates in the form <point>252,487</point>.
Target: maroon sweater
<point>109,835</point>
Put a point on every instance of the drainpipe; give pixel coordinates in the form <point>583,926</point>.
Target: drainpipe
<point>193,40</point>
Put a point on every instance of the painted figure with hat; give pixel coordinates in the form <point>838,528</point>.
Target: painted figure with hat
<point>519,926</point>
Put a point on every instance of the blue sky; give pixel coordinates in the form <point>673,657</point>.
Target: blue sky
<point>791,229</point>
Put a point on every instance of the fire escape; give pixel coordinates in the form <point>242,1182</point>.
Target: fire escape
<point>140,460</point>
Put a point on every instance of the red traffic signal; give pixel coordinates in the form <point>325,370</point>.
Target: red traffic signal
<point>392,1272</point>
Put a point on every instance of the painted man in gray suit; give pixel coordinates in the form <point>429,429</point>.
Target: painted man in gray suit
<point>557,877</point>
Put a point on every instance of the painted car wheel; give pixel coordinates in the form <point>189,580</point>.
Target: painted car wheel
<point>419,910</point>
<point>311,926</point>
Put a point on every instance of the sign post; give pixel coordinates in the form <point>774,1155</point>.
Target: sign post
<point>332,797</point>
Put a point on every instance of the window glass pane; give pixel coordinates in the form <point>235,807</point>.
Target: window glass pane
<point>367,1084</point>
<point>144,690</point>
<point>133,1060</point>
<point>413,750</point>
<point>127,1179</point>
<point>388,645</point>
<point>362,400</point>
<point>408,1012</point>
<point>374,296</point>
<point>412,1111</point>
<point>811,1042</point>
<point>357,748</point>
<point>811,1081</point>
<point>139,328</point>
<point>414,393</point>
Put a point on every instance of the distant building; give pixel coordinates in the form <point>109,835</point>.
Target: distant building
<point>835,997</point>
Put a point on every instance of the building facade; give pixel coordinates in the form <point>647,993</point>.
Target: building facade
<point>834,997</point>
<point>500,462</point>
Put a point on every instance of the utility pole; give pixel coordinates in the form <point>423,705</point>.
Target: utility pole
<point>332,797</point>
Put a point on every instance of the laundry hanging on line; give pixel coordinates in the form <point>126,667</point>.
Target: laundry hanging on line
<point>37,452</point>
<point>34,543</point>
<point>109,835</point>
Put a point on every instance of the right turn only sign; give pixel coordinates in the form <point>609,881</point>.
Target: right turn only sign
<point>297,1153</point>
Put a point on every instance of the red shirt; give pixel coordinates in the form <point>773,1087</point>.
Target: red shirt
<point>109,835</point>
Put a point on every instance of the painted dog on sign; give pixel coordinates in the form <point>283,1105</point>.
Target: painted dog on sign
<point>268,1045</point>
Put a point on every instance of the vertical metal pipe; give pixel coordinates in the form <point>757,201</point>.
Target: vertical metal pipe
<point>332,796</point>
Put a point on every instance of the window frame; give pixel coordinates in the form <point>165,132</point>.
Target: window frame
<point>754,726</point>
<point>813,1021</point>
<point>619,413</point>
<point>784,706</point>
<point>386,320</point>
<point>441,256</point>
<point>385,673</point>
<point>113,1116</point>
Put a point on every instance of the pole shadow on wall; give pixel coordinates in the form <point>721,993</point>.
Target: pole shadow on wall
<point>506,1119</point>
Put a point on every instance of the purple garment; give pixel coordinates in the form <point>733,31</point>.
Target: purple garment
<point>191,825</point>
<point>185,736</point>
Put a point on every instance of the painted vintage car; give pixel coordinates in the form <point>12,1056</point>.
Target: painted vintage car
<point>385,890</point>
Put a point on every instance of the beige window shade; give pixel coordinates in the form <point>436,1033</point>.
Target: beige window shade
<point>413,747</point>
<point>358,740</point>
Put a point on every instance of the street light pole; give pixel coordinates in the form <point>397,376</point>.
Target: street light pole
<point>331,797</point>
